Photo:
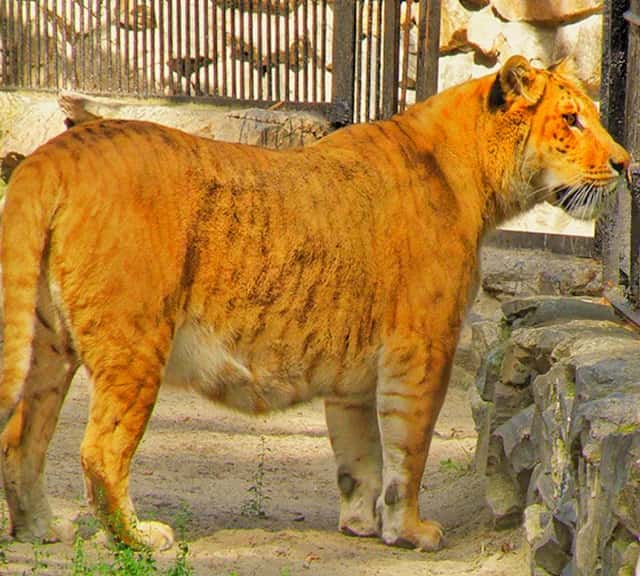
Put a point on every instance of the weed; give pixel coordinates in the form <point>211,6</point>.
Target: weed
<point>181,521</point>
<point>254,506</point>
<point>4,542</point>
<point>451,466</point>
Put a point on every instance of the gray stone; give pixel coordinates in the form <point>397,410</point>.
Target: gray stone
<point>483,415</point>
<point>531,272</point>
<point>504,500</point>
<point>272,128</point>
<point>490,373</point>
<point>549,540</point>
<point>537,310</point>
<point>562,411</point>
<point>485,334</point>
<point>516,441</point>
<point>620,557</point>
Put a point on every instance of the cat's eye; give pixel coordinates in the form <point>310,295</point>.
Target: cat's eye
<point>571,119</point>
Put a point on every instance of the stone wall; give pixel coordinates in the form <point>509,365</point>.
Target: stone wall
<point>30,119</point>
<point>477,36</point>
<point>557,408</point>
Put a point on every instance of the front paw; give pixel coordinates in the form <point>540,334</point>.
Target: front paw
<point>49,532</point>
<point>155,535</point>
<point>423,535</point>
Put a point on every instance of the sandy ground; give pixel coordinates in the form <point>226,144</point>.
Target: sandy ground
<point>197,463</point>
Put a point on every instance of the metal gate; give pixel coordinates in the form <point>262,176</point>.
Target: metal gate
<point>355,60</point>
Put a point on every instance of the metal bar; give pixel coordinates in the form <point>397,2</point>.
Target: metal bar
<point>27,41</point>
<point>11,43</point>
<point>225,91</point>
<point>44,24</point>
<point>180,63</point>
<point>56,43</point>
<point>390,59</point>
<point>428,49</point>
<point>136,29</point>
<point>404,77</point>
<point>205,48</point>
<point>323,53</point>
<point>260,62</point>
<point>5,17</point>
<point>357,99</point>
<point>161,48</point>
<point>82,71</point>
<point>96,43</point>
<point>632,143</point>
<point>369,62</point>
<point>119,44</point>
<point>243,55</point>
<point>66,41</point>
<point>296,52</point>
<point>199,57</point>
<point>217,56</point>
<point>188,57</point>
<point>19,50</point>
<point>314,52</point>
<point>170,56</point>
<point>109,48</point>
<point>148,26</point>
<point>344,38</point>
<point>278,52</point>
<point>269,61</point>
<point>38,47</point>
<point>287,52</point>
<point>612,111</point>
<point>74,37</point>
<point>234,55</point>
<point>253,49</point>
<point>305,51</point>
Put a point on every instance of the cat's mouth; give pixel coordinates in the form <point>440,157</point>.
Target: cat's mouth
<point>584,201</point>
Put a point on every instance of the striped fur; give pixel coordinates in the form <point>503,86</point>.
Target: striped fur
<point>263,278</point>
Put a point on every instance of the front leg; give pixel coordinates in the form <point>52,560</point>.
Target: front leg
<point>413,378</point>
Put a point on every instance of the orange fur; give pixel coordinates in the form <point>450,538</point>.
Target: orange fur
<point>263,278</point>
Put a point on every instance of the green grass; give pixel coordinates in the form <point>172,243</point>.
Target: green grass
<point>124,561</point>
<point>453,467</point>
<point>118,560</point>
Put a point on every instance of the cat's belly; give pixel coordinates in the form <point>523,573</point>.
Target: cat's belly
<point>259,380</point>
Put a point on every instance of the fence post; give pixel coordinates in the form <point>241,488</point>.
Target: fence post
<point>612,109</point>
<point>428,49</point>
<point>344,39</point>
<point>390,57</point>
<point>632,143</point>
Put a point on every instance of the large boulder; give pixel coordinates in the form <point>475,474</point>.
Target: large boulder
<point>549,13</point>
<point>557,409</point>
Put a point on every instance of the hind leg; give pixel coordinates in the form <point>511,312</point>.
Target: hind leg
<point>353,429</point>
<point>27,435</point>
<point>126,378</point>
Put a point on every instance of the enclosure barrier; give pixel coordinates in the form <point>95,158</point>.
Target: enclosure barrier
<point>355,60</point>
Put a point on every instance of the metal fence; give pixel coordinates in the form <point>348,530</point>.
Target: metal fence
<point>619,234</point>
<point>355,59</point>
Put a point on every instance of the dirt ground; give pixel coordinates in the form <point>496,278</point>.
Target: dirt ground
<point>196,466</point>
